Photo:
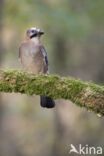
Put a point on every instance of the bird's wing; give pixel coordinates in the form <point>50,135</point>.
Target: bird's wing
<point>19,56</point>
<point>44,53</point>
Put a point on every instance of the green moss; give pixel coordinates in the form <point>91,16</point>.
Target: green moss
<point>83,94</point>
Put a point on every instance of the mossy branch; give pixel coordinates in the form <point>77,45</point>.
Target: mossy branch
<point>84,94</point>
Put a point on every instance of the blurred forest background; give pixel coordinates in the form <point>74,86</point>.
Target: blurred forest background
<point>74,40</point>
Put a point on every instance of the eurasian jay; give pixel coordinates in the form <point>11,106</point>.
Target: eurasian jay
<point>33,57</point>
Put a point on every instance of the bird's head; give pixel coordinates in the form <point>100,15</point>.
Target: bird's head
<point>34,33</point>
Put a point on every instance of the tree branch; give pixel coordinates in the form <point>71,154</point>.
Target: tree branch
<point>84,94</point>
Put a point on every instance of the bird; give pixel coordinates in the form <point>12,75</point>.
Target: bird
<point>33,57</point>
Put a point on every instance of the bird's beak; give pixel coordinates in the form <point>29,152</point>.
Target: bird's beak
<point>41,32</point>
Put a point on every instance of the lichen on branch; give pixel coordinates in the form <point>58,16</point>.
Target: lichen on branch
<point>84,94</point>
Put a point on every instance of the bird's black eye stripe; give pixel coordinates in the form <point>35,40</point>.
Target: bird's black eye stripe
<point>34,35</point>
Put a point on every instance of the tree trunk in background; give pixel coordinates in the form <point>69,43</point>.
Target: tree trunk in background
<point>1,48</point>
<point>60,54</point>
<point>1,56</point>
<point>1,30</point>
<point>7,146</point>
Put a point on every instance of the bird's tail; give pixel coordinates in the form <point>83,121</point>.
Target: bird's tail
<point>47,102</point>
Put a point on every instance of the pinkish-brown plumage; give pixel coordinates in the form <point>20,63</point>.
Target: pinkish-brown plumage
<point>34,59</point>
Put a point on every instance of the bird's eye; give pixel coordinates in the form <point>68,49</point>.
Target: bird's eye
<point>32,31</point>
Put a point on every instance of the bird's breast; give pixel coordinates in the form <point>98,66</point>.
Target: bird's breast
<point>32,60</point>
